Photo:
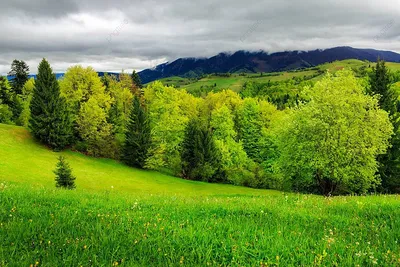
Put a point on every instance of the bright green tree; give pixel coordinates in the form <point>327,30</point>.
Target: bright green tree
<point>23,119</point>
<point>332,142</point>
<point>120,108</point>
<point>89,103</point>
<point>5,91</point>
<point>235,163</point>
<point>63,172</point>
<point>169,110</point>
<point>137,137</point>
<point>50,120</point>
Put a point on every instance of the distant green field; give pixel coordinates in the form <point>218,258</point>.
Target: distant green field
<point>119,216</point>
<point>236,81</point>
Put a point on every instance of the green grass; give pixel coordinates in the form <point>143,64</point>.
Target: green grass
<point>236,81</point>
<point>151,219</point>
<point>22,160</point>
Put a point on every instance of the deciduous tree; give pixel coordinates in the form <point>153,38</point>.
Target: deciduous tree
<point>332,142</point>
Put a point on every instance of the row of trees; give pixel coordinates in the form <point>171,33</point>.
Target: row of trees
<point>331,137</point>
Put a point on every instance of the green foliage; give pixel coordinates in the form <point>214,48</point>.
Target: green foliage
<point>137,136</point>
<point>121,93</point>
<point>169,111</point>
<point>90,105</point>
<point>389,169</point>
<point>50,120</point>
<point>17,107</point>
<point>234,160</point>
<point>136,80</point>
<point>380,84</point>
<point>5,114</point>
<point>5,91</point>
<point>20,71</point>
<point>63,172</point>
<point>26,97</point>
<point>94,129</point>
<point>333,141</point>
<point>200,158</point>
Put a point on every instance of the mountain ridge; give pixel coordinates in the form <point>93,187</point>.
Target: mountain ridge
<point>261,61</point>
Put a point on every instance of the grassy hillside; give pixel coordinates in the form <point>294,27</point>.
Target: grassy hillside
<point>236,81</point>
<point>151,219</point>
<point>22,160</point>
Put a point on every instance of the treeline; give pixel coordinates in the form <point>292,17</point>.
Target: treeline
<point>339,135</point>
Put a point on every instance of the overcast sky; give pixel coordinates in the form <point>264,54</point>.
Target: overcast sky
<point>126,34</point>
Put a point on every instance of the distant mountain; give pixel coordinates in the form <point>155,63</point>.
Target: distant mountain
<point>61,74</point>
<point>244,61</point>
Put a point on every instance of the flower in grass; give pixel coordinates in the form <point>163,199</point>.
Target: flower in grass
<point>181,261</point>
<point>84,247</point>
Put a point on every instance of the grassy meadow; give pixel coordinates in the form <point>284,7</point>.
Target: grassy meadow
<point>127,217</point>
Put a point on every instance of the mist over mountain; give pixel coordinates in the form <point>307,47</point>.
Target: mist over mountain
<point>245,61</point>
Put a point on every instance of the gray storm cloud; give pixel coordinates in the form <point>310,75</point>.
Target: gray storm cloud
<point>122,34</point>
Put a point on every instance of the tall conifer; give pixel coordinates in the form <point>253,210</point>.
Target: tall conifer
<point>137,136</point>
<point>50,120</point>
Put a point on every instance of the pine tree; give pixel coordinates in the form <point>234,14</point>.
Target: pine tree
<point>380,85</point>
<point>50,118</point>
<point>137,136</point>
<point>20,72</point>
<point>389,167</point>
<point>199,154</point>
<point>136,79</point>
<point>63,172</point>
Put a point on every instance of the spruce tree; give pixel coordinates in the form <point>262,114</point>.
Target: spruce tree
<point>380,85</point>
<point>199,154</point>
<point>389,163</point>
<point>136,79</point>
<point>63,172</point>
<point>137,136</point>
<point>50,119</point>
<point>19,71</point>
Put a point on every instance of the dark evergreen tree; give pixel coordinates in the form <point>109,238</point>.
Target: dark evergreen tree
<point>199,154</point>
<point>136,79</point>
<point>389,163</point>
<point>137,136</point>
<point>63,172</point>
<point>20,72</point>
<point>16,106</point>
<point>380,85</point>
<point>50,118</point>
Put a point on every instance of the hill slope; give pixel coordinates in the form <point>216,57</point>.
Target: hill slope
<point>243,61</point>
<point>22,160</point>
<point>150,219</point>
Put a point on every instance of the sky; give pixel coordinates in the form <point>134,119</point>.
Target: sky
<point>127,34</point>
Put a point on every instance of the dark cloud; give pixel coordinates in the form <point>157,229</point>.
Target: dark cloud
<point>125,34</point>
